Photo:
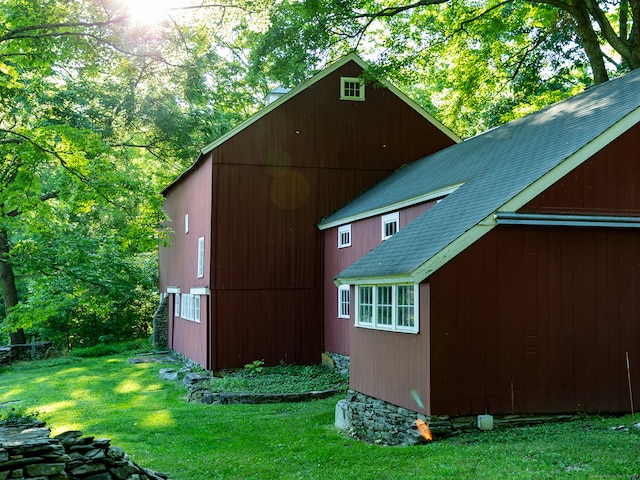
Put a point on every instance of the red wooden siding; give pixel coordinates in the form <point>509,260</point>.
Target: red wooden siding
<point>179,263</point>
<point>392,365</point>
<point>535,320</point>
<point>365,235</point>
<point>607,183</point>
<point>272,183</point>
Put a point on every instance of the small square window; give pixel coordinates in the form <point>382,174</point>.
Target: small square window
<point>390,224</point>
<point>344,236</point>
<point>344,300</point>
<point>351,88</point>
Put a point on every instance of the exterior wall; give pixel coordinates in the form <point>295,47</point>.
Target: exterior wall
<point>534,319</point>
<point>365,235</point>
<point>179,262</point>
<point>273,182</point>
<point>392,365</point>
<point>537,320</point>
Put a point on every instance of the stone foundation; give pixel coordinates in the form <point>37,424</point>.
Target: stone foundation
<point>160,335</point>
<point>28,452</point>
<point>377,421</point>
<point>19,353</point>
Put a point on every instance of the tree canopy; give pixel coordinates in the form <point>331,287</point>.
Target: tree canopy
<point>99,111</point>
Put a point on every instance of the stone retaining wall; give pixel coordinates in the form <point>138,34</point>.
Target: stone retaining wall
<point>23,352</point>
<point>28,452</point>
<point>378,421</point>
<point>160,335</point>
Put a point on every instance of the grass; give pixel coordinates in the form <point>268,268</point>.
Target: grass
<point>150,419</point>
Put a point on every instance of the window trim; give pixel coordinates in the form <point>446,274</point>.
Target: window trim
<point>344,229</point>
<point>374,324</point>
<point>388,219</point>
<point>186,223</point>
<point>200,257</point>
<point>345,85</point>
<point>342,312</point>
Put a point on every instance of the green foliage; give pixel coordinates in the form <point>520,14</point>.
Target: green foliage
<point>18,417</point>
<point>104,349</point>
<point>152,422</point>
<point>255,378</point>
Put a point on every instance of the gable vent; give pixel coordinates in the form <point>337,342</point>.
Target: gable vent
<point>351,88</point>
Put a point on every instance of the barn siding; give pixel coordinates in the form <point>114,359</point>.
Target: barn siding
<point>365,235</point>
<point>273,181</point>
<point>394,364</point>
<point>178,263</point>
<point>549,312</point>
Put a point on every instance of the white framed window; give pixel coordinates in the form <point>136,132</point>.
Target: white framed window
<point>344,301</point>
<point>387,307</point>
<point>344,236</point>
<point>196,308</point>
<point>201,257</point>
<point>390,224</point>
<point>176,306</point>
<point>186,223</point>
<point>351,88</point>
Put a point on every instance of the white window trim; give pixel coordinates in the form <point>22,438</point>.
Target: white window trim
<point>343,83</point>
<point>341,290</point>
<point>190,306</point>
<point>342,230</point>
<point>176,305</point>
<point>394,327</point>
<point>201,257</point>
<point>186,223</point>
<point>387,219</point>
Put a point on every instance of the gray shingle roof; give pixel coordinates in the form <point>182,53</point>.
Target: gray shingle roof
<point>495,167</point>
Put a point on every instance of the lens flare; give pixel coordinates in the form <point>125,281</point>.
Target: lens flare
<point>423,428</point>
<point>416,397</point>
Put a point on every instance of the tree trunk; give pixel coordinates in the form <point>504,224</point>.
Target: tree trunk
<point>590,42</point>
<point>9,291</point>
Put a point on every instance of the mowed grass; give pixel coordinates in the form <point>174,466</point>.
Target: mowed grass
<point>150,419</point>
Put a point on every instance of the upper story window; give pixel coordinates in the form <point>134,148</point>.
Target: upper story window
<point>351,88</point>
<point>201,257</point>
<point>387,307</point>
<point>344,301</point>
<point>186,223</point>
<point>390,224</point>
<point>344,236</point>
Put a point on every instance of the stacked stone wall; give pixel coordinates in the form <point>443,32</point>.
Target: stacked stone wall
<point>23,352</point>
<point>28,452</point>
<point>160,336</point>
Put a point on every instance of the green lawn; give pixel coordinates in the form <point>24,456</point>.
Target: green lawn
<point>151,421</point>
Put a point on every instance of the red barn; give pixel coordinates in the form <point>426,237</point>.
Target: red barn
<point>509,274</point>
<point>244,271</point>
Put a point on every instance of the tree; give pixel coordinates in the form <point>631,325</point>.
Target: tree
<point>476,64</point>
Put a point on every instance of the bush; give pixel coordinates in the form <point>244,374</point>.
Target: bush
<point>131,347</point>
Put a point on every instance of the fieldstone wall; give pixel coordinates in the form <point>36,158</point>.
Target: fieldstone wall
<point>29,452</point>
<point>377,421</point>
<point>160,336</point>
<point>23,352</point>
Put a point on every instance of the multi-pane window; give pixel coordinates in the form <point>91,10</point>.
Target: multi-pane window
<point>190,306</point>
<point>344,236</point>
<point>344,301</point>
<point>201,257</point>
<point>390,224</point>
<point>364,315</point>
<point>384,305</point>
<point>351,88</point>
<point>176,306</point>
<point>387,307</point>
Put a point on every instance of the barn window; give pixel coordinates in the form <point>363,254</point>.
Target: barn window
<point>176,306</point>
<point>344,236</point>
<point>196,308</point>
<point>186,223</point>
<point>390,224</point>
<point>344,301</point>
<point>201,257</point>
<point>387,307</point>
<point>351,88</point>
